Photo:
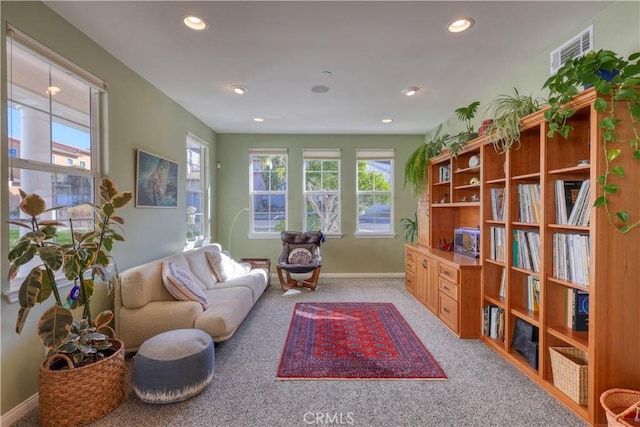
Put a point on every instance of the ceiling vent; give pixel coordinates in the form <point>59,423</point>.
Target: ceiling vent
<point>577,46</point>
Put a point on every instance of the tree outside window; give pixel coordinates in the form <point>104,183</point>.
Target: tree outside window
<point>375,196</point>
<point>268,191</point>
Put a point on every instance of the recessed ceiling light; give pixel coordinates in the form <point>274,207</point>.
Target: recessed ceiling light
<point>239,89</point>
<point>194,22</point>
<point>410,91</point>
<point>459,25</point>
<point>258,119</point>
<point>53,90</point>
<point>320,89</point>
<point>387,120</point>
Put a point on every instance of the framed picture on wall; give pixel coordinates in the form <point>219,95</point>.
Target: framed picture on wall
<point>156,181</point>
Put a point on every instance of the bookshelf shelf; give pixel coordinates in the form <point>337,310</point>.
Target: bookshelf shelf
<point>526,315</point>
<point>576,339</point>
<point>583,246</point>
<point>462,187</point>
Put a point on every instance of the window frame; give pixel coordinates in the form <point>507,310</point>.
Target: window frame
<point>97,106</point>
<point>373,155</point>
<point>322,155</point>
<point>253,234</point>
<point>190,141</point>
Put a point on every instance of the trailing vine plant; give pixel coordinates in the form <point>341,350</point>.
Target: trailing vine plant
<point>415,169</point>
<point>616,82</point>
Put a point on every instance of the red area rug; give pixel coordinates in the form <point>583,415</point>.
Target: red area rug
<point>354,340</point>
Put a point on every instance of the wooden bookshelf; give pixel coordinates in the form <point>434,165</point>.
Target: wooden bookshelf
<point>448,283</point>
<point>612,342</point>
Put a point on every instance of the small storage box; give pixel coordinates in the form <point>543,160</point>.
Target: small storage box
<point>570,371</point>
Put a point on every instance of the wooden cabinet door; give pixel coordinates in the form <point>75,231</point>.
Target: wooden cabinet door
<point>422,278</point>
<point>432,286</point>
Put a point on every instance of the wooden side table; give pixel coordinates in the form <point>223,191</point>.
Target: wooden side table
<point>260,263</point>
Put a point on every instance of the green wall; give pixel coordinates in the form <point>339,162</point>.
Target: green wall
<point>339,255</point>
<point>616,28</point>
<point>139,116</point>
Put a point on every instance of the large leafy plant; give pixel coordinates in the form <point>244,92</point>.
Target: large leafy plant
<point>86,257</point>
<point>616,81</point>
<point>506,112</point>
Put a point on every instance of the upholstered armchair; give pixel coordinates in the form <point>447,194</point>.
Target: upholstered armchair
<point>300,255</point>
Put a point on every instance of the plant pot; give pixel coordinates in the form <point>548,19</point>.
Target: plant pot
<point>65,395</point>
<point>467,137</point>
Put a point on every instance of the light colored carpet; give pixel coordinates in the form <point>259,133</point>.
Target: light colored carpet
<point>482,389</point>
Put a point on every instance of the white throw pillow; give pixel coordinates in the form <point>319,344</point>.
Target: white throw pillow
<point>224,267</point>
<point>181,284</point>
<point>300,256</point>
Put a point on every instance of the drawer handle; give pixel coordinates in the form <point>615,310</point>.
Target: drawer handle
<point>446,273</point>
<point>446,310</point>
<point>446,288</point>
<point>424,263</point>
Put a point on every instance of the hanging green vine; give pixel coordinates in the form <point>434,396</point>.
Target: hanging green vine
<point>617,82</point>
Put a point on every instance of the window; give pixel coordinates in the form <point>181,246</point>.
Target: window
<point>197,200</point>
<point>268,189</point>
<point>52,109</point>
<point>375,192</point>
<point>83,164</point>
<point>322,190</point>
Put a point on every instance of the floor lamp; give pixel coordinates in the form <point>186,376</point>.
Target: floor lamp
<point>232,224</point>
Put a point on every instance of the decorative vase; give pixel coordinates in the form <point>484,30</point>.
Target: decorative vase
<point>63,393</point>
<point>484,126</point>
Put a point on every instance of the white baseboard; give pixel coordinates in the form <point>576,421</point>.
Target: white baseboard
<point>19,411</point>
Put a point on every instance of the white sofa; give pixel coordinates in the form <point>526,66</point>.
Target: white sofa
<point>145,308</point>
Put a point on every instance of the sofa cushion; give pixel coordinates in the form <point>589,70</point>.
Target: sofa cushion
<point>181,284</point>
<point>224,267</point>
<point>199,265</point>
<point>300,256</point>
<point>229,306</point>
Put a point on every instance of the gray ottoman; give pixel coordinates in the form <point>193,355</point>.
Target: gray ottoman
<point>173,366</point>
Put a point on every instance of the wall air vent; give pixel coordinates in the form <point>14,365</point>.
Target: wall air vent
<point>577,46</point>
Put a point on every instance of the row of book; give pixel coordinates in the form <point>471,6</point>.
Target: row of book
<point>497,244</point>
<point>497,203</point>
<point>577,309</point>
<point>572,202</point>
<point>445,173</point>
<point>529,203</point>
<point>571,258</point>
<point>493,322</point>
<point>533,293</point>
<point>526,250</point>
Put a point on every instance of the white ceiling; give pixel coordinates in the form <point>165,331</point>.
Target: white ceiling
<point>279,50</point>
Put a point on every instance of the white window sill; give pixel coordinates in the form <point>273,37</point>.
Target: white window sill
<point>12,294</point>
<point>375,235</point>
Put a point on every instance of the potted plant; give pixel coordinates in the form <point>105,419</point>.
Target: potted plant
<point>616,82</point>
<point>84,342</point>
<point>409,228</point>
<point>506,111</point>
<point>465,115</point>
<point>415,169</point>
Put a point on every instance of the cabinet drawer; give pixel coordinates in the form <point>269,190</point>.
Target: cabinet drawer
<point>449,311</point>
<point>410,255</point>
<point>409,265</point>
<point>447,272</point>
<point>448,288</point>
<point>410,282</point>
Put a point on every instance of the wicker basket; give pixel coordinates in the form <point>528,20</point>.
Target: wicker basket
<point>570,369</point>
<point>621,406</point>
<point>78,396</point>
